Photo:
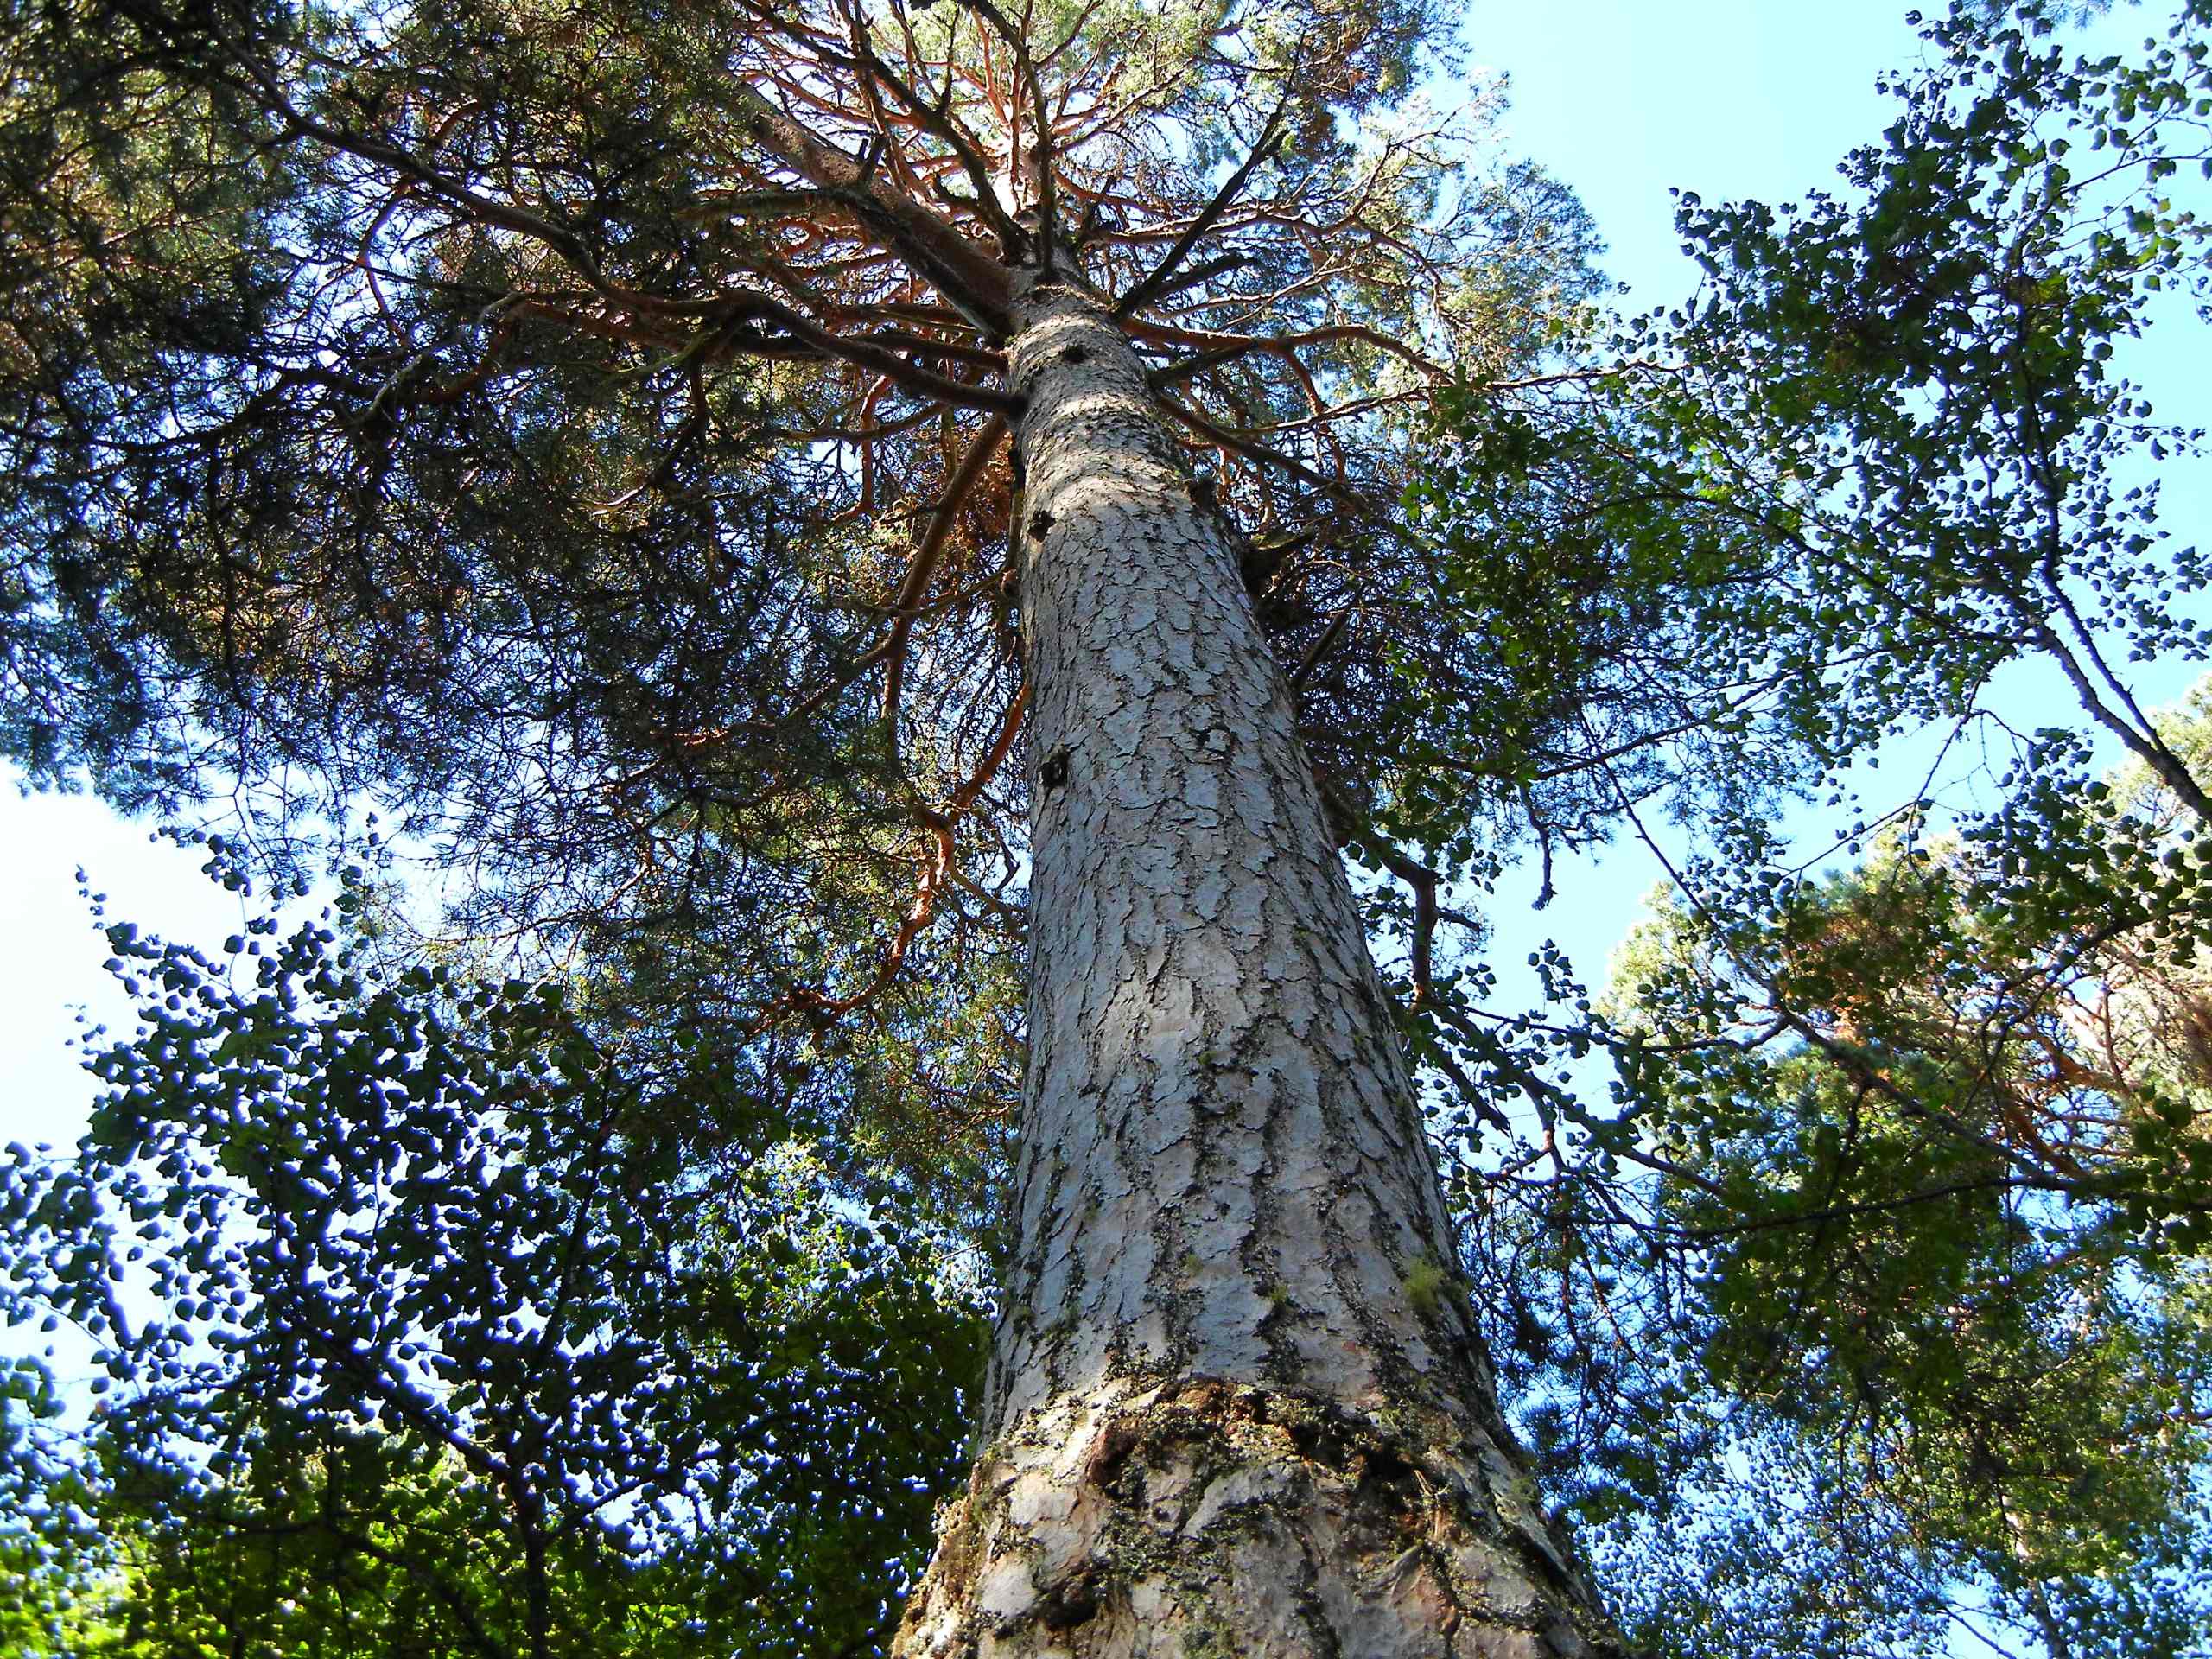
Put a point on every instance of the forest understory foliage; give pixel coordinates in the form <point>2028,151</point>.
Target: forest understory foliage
<point>563,432</point>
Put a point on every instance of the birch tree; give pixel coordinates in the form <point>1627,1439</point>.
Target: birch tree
<point>767,490</point>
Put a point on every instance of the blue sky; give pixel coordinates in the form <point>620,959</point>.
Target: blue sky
<point>1624,99</point>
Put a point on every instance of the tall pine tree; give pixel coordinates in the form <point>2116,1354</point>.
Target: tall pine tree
<point>756,487</point>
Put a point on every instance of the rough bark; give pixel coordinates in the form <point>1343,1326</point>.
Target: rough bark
<point>1238,1405</point>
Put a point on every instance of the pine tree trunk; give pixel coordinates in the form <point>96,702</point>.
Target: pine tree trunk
<point>1239,1406</point>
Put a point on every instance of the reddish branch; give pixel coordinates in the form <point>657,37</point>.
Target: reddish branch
<point>922,570</point>
<point>939,870</point>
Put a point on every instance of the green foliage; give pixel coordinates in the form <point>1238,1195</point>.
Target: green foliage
<point>1887,1274</point>
<point>437,1314</point>
<point>1941,1265</point>
<point>1882,454</point>
<point>1872,1300</point>
<point>49,1544</point>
